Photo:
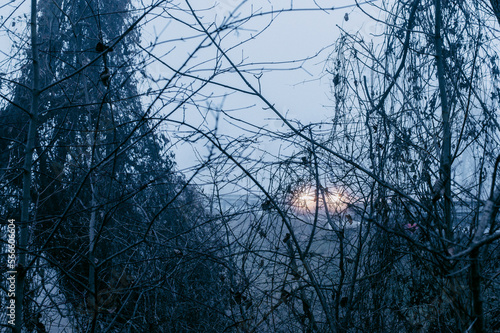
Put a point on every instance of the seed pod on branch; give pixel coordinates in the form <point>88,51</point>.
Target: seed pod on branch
<point>101,47</point>
<point>105,77</point>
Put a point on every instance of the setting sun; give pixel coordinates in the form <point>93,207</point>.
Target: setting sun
<point>306,199</point>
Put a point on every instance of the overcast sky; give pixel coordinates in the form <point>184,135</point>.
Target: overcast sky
<point>302,93</point>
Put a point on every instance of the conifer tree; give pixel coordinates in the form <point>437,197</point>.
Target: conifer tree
<point>107,210</point>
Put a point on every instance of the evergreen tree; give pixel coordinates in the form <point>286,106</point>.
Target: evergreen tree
<point>109,212</point>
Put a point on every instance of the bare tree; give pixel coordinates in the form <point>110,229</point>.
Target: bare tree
<point>381,217</point>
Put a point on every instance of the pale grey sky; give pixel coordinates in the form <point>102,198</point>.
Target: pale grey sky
<point>302,93</point>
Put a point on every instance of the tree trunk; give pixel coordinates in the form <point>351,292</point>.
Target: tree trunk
<point>475,286</point>
<point>27,167</point>
<point>93,215</point>
<point>445,162</point>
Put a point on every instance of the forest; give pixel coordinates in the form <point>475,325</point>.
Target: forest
<point>173,166</point>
